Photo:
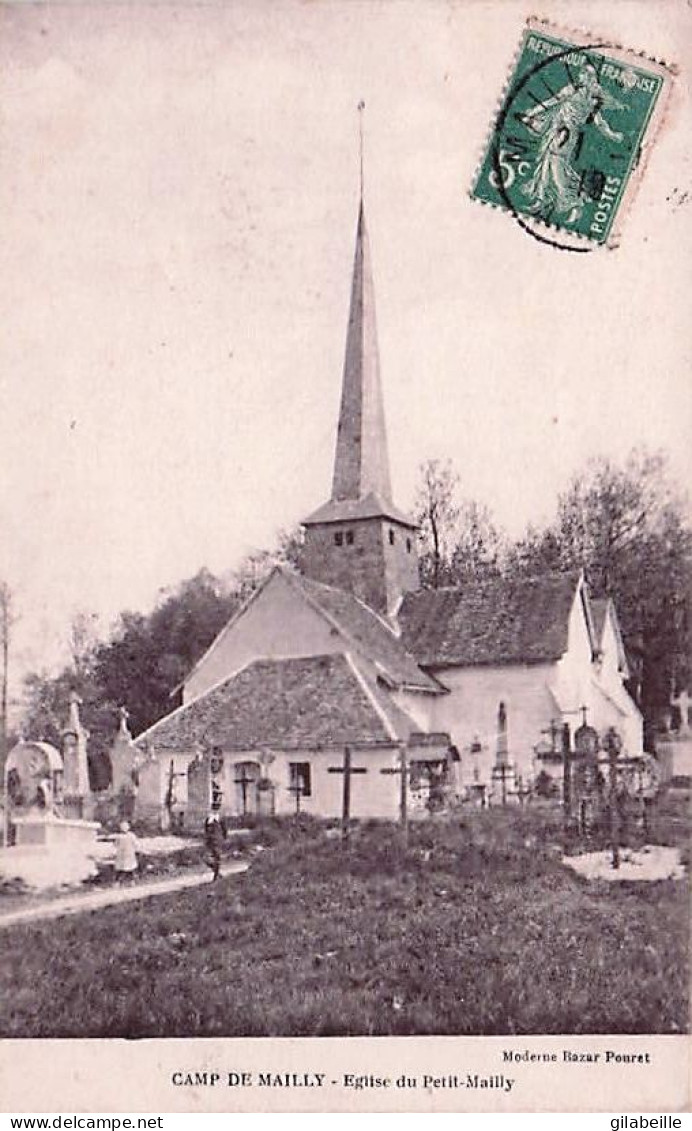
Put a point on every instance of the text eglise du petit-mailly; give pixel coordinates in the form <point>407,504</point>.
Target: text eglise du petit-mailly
<point>206,1079</point>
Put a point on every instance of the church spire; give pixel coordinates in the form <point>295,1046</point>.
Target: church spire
<point>361,465</point>
<point>359,540</point>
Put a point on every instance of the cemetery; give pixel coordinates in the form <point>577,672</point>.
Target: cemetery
<point>456,916</point>
<point>470,924</point>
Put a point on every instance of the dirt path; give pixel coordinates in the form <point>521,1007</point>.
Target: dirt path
<point>76,903</point>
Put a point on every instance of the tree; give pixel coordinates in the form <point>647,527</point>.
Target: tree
<point>436,512</point>
<point>535,553</point>
<point>83,640</point>
<point>145,657</point>
<point>459,539</point>
<point>479,545</point>
<point>629,529</point>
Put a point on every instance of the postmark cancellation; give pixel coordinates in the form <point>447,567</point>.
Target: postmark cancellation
<point>572,135</point>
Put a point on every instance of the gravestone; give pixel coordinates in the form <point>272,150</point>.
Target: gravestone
<point>587,779</point>
<point>198,790</point>
<point>33,791</point>
<point>502,775</point>
<point>76,791</point>
<point>124,755</point>
<point>41,846</point>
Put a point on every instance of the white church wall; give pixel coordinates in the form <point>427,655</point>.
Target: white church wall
<point>608,668</point>
<point>611,706</point>
<point>373,794</point>
<point>278,624</point>
<point>154,776</point>
<point>616,706</point>
<point>597,685</point>
<point>150,789</point>
<point>472,707</point>
<point>574,669</point>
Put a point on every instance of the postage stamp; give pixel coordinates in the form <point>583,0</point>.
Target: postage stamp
<point>571,137</point>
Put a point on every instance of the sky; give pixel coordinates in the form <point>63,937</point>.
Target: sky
<point>179,193</point>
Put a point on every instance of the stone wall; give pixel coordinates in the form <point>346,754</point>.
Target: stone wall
<point>373,567</point>
<point>472,707</point>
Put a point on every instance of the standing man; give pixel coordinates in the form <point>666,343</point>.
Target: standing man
<point>214,834</point>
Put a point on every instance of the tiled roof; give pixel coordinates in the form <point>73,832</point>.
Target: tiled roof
<point>351,510</point>
<point>375,639</point>
<point>303,703</point>
<point>496,621</point>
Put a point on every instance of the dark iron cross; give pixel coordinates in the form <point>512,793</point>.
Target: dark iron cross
<point>346,769</point>
<point>403,770</point>
<point>244,781</point>
<point>296,788</point>
<point>504,771</point>
<point>566,784</point>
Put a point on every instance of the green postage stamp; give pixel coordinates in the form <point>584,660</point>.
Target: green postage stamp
<point>571,137</point>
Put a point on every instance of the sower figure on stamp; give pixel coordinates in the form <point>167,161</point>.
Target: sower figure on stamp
<point>560,122</point>
<point>214,835</point>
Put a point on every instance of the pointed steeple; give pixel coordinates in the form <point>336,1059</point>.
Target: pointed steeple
<point>359,540</point>
<point>361,465</point>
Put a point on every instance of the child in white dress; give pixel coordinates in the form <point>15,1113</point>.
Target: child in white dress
<point>125,852</point>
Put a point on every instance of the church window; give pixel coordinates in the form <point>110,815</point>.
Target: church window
<point>349,537</point>
<point>300,778</point>
<point>391,537</point>
<point>339,538</point>
<point>408,545</point>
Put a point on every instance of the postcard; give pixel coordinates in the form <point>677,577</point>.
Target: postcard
<point>347,558</point>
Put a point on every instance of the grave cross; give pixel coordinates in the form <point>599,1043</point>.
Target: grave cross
<point>296,788</point>
<point>553,730</point>
<point>346,769</point>
<point>613,745</point>
<point>403,770</point>
<point>566,782</point>
<point>243,781</point>
<point>503,771</point>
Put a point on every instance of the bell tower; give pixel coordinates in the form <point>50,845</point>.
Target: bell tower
<point>359,540</point>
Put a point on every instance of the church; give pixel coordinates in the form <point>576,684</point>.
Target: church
<point>349,670</point>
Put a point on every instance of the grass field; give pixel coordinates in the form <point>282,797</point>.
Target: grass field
<point>473,928</point>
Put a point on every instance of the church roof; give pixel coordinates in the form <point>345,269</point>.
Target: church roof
<point>361,464</point>
<point>351,510</point>
<point>494,621</point>
<point>373,637</point>
<point>303,703</point>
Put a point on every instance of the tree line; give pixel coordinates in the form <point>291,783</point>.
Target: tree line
<point>626,525</point>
